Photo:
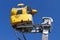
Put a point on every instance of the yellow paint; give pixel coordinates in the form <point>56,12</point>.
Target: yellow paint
<point>34,11</point>
<point>13,11</point>
<point>24,11</point>
<point>24,16</point>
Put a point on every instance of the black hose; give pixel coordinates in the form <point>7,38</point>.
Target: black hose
<point>17,36</point>
<point>24,36</point>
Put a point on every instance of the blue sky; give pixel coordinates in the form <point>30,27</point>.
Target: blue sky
<point>50,8</point>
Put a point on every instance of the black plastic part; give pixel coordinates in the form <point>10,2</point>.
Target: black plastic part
<point>29,10</point>
<point>19,12</point>
<point>45,26</point>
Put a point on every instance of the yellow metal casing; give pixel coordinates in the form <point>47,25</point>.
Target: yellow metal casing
<point>21,17</point>
<point>24,16</point>
<point>34,11</point>
<point>13,11</point>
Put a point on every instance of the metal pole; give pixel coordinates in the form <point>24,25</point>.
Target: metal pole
<point>45,35</point>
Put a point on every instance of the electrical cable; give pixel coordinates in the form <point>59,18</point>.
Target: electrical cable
<point>17,35</point>
<point>24,36</point>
